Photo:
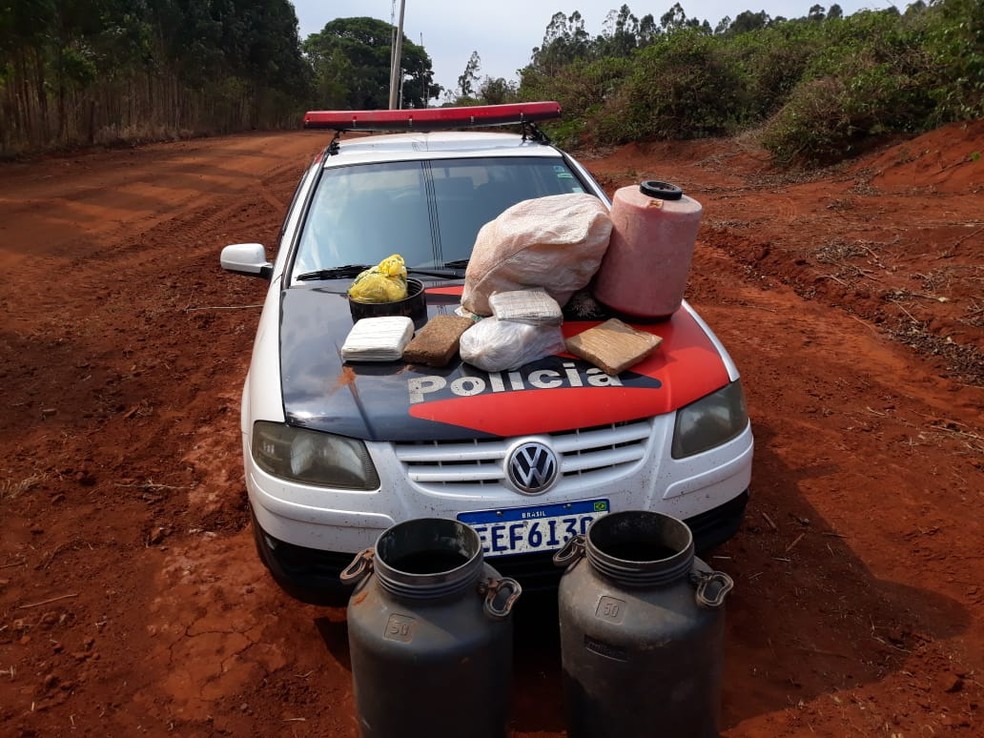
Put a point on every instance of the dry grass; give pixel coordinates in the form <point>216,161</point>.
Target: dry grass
<point>964,363</point>
<point>12,488</point>
<point>837,251</point>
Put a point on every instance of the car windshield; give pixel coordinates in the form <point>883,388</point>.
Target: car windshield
<point>429,212</point>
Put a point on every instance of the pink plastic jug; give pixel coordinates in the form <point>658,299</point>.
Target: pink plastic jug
<point>645,270</point>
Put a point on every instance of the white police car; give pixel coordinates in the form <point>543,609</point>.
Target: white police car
<point>335,453</point>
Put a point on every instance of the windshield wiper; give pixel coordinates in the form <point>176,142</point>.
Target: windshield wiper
<point>453,273</point>
<point>456,264</point>
<point>342,272</point>
<point>354,270</point>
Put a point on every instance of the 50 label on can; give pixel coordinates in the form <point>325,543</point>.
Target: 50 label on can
<point>399,628</point>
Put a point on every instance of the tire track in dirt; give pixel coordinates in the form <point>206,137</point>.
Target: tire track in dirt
<point>117,331</point>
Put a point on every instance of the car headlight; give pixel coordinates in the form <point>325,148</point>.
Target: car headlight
<point>321,459</point>
<point>710,421</point>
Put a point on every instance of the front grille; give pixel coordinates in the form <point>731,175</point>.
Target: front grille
<point>587,456</point>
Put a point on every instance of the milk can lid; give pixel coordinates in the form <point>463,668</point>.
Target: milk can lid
<point>662,190</point>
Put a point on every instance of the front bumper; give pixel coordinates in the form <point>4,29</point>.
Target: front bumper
<point>307,535</point>
<point>311,575</point>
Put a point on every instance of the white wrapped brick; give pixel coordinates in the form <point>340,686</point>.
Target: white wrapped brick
<point>378,339</point>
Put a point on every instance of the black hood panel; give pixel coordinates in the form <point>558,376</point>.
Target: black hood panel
<point>394,401</point>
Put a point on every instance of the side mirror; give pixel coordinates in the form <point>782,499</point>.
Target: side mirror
<point>246,258</point>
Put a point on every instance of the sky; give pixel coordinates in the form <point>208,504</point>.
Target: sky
<point>504,32</point>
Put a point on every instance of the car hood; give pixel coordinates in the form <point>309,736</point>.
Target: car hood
<point>395,401</point>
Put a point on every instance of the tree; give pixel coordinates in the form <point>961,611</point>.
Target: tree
<point>648,30</point>
<point>673,19</point>
<point>564,41</point>
<point>351,58</point>
<point>418,84</point>
<point>87,71</point>
<point>749,21</point>
<point>619,34</point>
<point>468,78</point>
<point>496,91</point>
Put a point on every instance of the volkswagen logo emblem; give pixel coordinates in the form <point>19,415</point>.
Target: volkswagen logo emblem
<point>532,467</point>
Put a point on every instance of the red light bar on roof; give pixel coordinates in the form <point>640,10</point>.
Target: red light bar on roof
<point>430,119</point>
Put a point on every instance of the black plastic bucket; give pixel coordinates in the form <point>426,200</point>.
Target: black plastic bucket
<point>413,306</point>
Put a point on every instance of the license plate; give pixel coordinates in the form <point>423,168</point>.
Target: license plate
<point>540,528</point>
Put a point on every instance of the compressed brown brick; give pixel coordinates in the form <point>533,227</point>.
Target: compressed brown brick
<point>437,342</point>
<point>613,346</point>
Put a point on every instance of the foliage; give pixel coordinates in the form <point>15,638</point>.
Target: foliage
<point>97,71</point>
<point>496,91</point>
<point>584,90</point>
<point>872,76</point>
<point>564,42</point>
<point>351,62</point>
<point>956,35</point>
<point>91,71</point>
<point>682,86</point>
<point>771,61</point>
<point>819,88</point>
<point>624,33</point>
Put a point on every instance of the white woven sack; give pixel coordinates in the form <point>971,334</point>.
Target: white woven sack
<point>555,242</point>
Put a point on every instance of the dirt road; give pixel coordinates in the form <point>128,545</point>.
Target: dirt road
<point>131,599</point>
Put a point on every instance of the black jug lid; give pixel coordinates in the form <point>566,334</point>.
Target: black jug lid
<point>661,190</point>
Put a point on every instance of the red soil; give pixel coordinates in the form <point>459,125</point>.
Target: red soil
<point>132,601</point>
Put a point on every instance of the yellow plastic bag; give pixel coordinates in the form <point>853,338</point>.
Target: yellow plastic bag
<point>385,282</point>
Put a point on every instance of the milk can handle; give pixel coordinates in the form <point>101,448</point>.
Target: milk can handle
<point>491,588</point>
<point>571,552</point>
<point>359,569</point>
<point>706,582</point>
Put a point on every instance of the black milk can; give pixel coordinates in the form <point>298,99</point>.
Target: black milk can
<point>641,630</point>
<point>430,634</point>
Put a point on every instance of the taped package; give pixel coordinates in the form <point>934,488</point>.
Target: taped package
<point>532,306</point>
<point>613,346</point>
<point>378,339</point>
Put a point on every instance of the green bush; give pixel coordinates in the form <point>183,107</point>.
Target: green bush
<point>821,89</point>
<point>813,126</point>
<point>582,89</point>
<point>872,78</point>
<point>955,30</point>
<point>682,86</point>
<point>773,60</point>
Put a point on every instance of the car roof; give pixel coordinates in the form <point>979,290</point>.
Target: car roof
<point>435,145</point>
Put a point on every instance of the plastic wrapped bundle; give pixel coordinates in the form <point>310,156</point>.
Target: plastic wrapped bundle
<point>499,345</point>
<point>385,282</point>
